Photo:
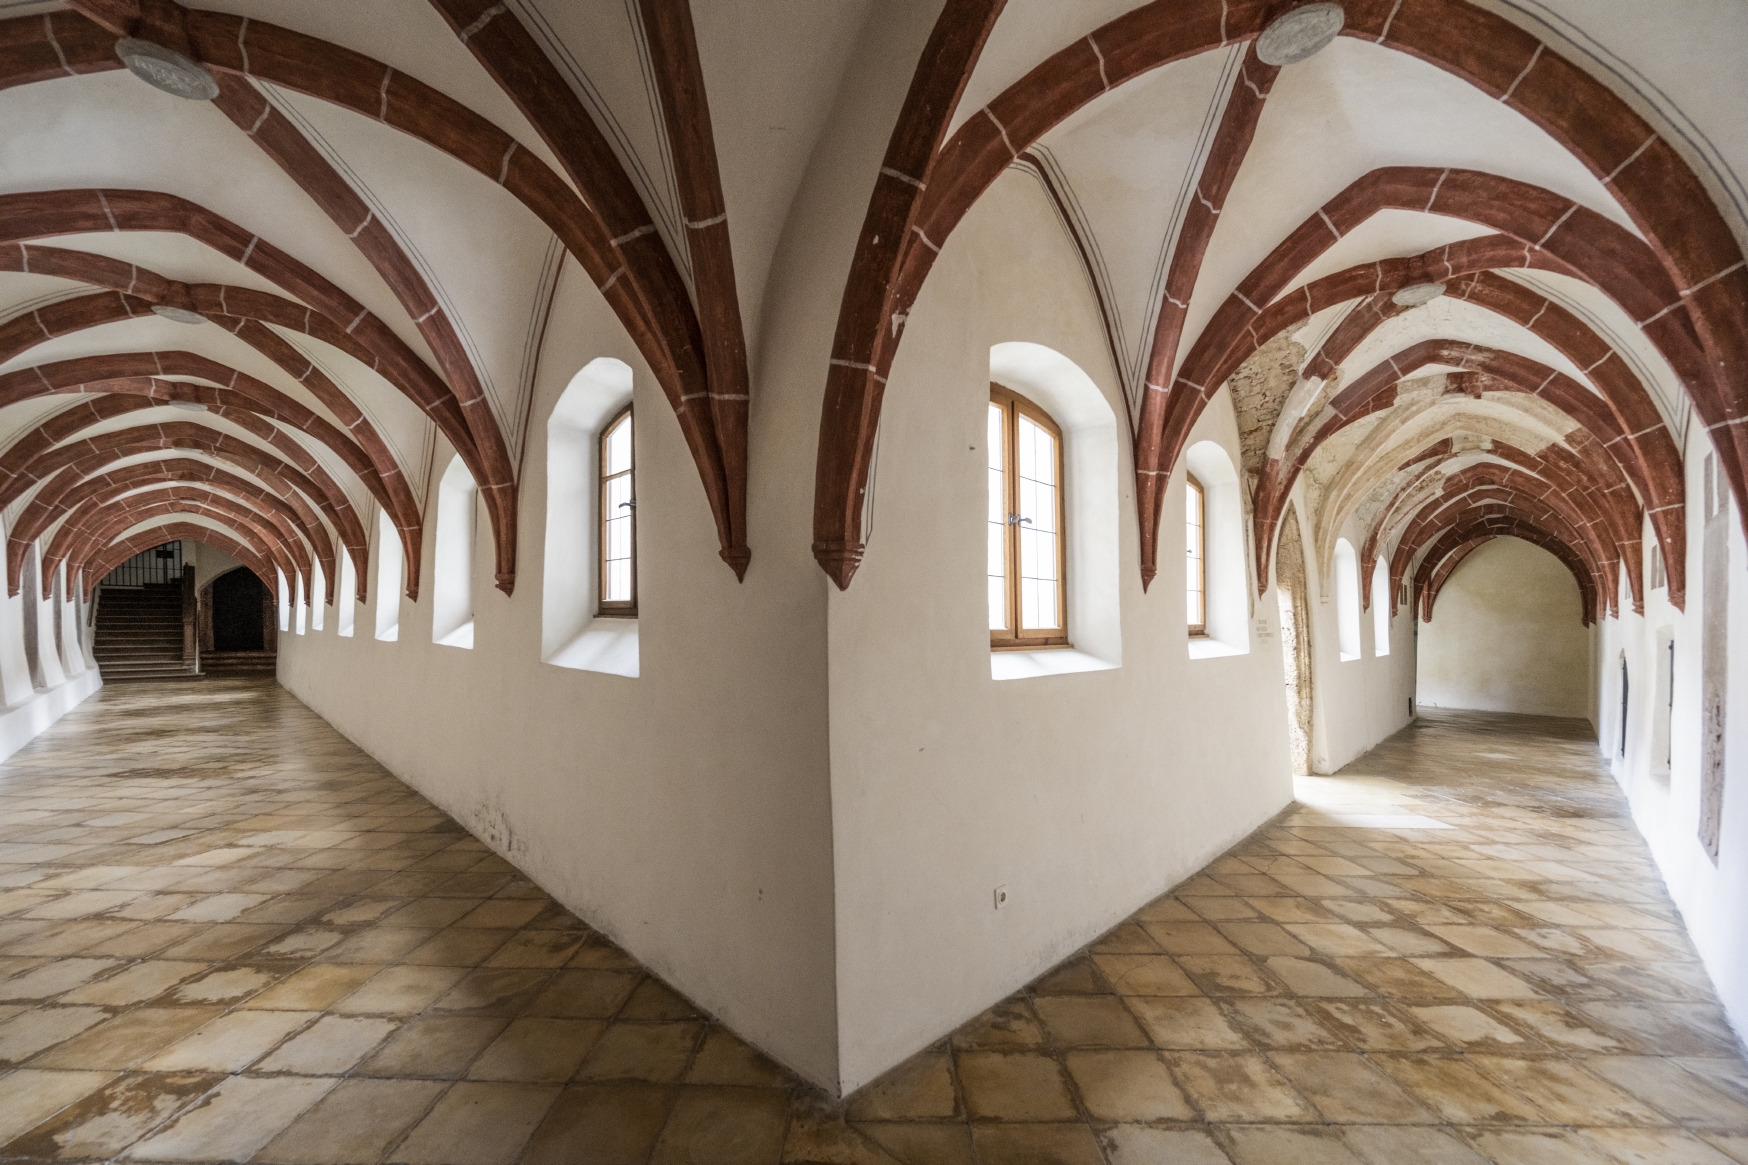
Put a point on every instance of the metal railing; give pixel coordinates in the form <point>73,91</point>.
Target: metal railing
<point>160,564</point>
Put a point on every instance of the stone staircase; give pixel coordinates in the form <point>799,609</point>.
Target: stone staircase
<point>139,634</point>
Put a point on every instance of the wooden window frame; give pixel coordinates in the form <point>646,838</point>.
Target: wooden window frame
<point>1015,637</point>
<point>1198,630</point>
<point>624,608</point>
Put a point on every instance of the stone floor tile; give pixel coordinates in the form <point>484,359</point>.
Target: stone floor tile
<point>111,1119</point>
<point>729,1126</point>
<point>1074,1021</point>
<point>1188,1024</point>
<point>127,1039</point>
<point>537,1051</point>
<point>1280,1023</point>
<point>1035,1144</point>
<point>658,1053</point>
<point>1253,1145</point>
<point>1520,977</point>
<point>1237,1087</point>
<point>1653,1147</point>
<point>477,1123</point>
<point>1019,1086</point>
<point>1414,1145</point>
<point>354,1124</point>
<point>399,990</point>
<point>727,1059</point>
<point>1457,1091</point>
<point>328,1047</point>
<point>435,1047</point>
<point>1346,1089</point>
<point>1142,1145</point>
<point>34,1095</point>
<point>1126,1086</point>
<point>26,1034</point>
<point>229,1043</point>
<point>1537,1147</point>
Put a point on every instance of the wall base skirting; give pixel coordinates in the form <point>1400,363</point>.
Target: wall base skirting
<point>22,724</point>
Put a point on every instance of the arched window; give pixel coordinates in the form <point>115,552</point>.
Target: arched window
<point>346,596</point>
<point>1215,577</point>
<point>1028,598</point>
<point>618,518</point>
<point>1380,608</point>
<point>578,626</point>
<point>301,606</point>
<point>1347,599</point>
<point>1196,555</point>
<point>285,600</point>
<point>318,596</point>
<point>452,584</point>
<point>388,578</point>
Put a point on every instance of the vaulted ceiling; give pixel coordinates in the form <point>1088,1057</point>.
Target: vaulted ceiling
<point>1458,285</point>
<point>1459,281</point>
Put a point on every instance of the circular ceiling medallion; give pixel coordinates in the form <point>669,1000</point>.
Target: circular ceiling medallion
<point>162,68</point>
<point>1301,33</point>
<point>180,314</point>
<point>1416,294</point>
<point>192,406</point>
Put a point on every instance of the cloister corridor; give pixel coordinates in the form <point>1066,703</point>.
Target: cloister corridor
<point>226,934</point>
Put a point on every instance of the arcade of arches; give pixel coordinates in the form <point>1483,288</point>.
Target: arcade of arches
<point>624,420</point>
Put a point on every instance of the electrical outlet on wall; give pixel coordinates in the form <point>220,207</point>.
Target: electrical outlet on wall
<point>1001,897</point>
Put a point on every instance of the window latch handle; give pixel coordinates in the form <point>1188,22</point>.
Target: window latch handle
<point>1015,520</point>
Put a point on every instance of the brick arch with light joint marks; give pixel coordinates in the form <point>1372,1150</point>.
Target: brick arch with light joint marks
<point>1485,484</point>
<point>234,388</point>
<point>1589,587</point>
<point>32,460</point>
<point>1376,389</point>
<point>1561,485</point>
<point>250,532</point>
<point>709,349</point>
<point>78,463</point>
<point>108,558</point>
<point>91,311</point>
<point>138,373</point>
<point>1637,426</point>
<point>1593,481</point>
<point>105,525</point>
<point>1508,507</point>
<point>179,482</point>
<point>1586,244</point>
<point>310,544</point>
<point>634,274</point>
<point>1701,260</point>
<point>332,314</point>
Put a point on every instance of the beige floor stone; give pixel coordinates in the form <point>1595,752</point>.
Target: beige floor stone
<point>271,948</point>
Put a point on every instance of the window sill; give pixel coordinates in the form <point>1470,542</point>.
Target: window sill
<point>1050,661</point>
<point>462,636</point>
<point>1349,658</point>
<point>1207,647</point>
<point>608,645</point>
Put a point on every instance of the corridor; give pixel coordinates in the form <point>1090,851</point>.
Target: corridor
<point>226,934</point>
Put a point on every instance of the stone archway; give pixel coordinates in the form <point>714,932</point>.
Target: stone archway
<point>223,633</point>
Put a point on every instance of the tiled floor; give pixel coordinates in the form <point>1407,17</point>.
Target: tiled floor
<point>225,934</point>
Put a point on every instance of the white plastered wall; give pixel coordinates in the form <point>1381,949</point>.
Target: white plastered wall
<point>1711,895</point>
<point>1507,635</point>
<point>685,812</point>
<point>1084,794</point>
<point>1356,702</point>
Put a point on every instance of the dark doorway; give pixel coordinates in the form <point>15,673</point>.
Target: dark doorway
<point>237,600</point>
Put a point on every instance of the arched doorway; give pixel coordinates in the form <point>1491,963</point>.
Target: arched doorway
<point>239,628</point>
<point>237,598</point>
